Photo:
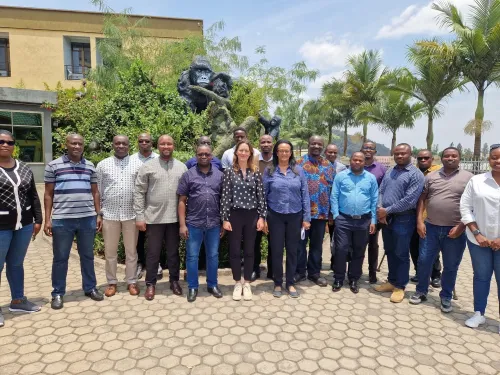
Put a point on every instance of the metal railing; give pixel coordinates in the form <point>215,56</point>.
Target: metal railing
<point>471,165</point>
<point>76,72</point>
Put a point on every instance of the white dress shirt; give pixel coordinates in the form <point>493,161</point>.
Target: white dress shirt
<point>227,157</point>
<point>116,182</point>
<point>480,203</point>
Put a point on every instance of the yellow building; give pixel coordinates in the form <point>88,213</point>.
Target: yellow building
<point>40,46</point>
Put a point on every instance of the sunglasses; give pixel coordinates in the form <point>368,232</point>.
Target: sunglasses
<point>206,155</point>
<point>10,143</point>
<point>423,158</point>
<point>495,146</point>
<point>144,141</point>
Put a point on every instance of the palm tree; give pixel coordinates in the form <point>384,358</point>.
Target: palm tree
<point>365,78</point>
<point>334,95</point>
<point>476,50</point>
<point>434,79</point>
<point>391,112</point>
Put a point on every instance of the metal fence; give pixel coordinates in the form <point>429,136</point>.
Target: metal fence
<point>473,166</point>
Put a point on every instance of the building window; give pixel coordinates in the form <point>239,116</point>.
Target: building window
<point>4,57</point>
<point>27,128</point>
<point>77,57</point>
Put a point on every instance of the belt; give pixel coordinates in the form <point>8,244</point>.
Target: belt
<point>357,217</point>
<point>407,212</point>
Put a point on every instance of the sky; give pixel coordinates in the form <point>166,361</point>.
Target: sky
<point>323,33</point>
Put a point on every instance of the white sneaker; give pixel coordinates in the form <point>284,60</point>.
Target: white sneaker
<point>247,292</point>
<point>237,291</point>
<point>475,320</point>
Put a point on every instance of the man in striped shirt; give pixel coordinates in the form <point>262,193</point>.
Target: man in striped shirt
<point>71,204</point>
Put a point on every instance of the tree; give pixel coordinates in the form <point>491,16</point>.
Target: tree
<point>391,112</point>
<point>486,150</point>
<point>365,78</point>
<point>460,147</point>
<point>435,149</point>
<point>468,154</point>
<point>434,79</point>
<point>452,144</point>
<point>476,51</point>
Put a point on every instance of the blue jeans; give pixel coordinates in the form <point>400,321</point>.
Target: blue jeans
<point>453,249</point>
<point>485,261</point>
<point>211,238</point>
<point>397,235</point>
<point>315,236</point>
<point>63,232</point>
<point>13,247</point>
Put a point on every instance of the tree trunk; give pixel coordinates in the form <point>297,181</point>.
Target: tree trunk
<point>330,128</point>
<point>479,117</point>
<point>430,131</point>
<point>393,144</point>
<point>345,138</point>
<point>365,132</point>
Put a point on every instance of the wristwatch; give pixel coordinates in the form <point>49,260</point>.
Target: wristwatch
<point>476,232</point>
<point>100,214</point>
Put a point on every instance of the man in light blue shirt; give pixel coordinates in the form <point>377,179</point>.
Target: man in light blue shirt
<point>354,206</point>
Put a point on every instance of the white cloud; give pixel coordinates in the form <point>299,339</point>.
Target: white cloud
<point>326,53</point>
<point>418,20</point>
<point>324,78</point>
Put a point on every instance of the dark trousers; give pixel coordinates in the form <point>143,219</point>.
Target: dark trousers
<point>157,233</point>
<point>373,252</point>
<point>258,255</point>
<point>351,237</point>
<point>285,233</point>
<point>244,224</point>
<point>397,236</point>
<point>312,262</point>
<point>415,251</point>
<point>141,251</point>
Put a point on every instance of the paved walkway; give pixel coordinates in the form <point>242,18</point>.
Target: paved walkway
<point>321,333</point>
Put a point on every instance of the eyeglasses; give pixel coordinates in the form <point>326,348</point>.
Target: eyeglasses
<point>144,141</point>
<point>423,158</point>
<point>495,146</point>
<point>9,143</point>
<point>205,154</point>
<point>285,152</point>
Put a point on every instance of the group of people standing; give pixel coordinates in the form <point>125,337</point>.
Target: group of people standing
<point>153,200</point>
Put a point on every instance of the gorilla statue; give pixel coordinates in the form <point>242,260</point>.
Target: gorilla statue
<point>200,74</point>
<point>272,126</point>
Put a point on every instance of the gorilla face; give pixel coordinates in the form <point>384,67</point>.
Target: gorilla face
<point>202,76</point>
<point>220,88</point>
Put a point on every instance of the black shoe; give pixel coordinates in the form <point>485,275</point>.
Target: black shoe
<point>373,280</point>
<point>215,291</point>
<point>414,279</point>
<point>436,283</point>
<point>353,285</point>
<point>95,295</point>
<point>318,280</point>
<point>192,294</point>
<point>337,285</point>
<point>255,275</point>
<point>298,278</point>
<point>57,303</point>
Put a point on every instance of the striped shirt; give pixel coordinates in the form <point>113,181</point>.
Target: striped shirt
<point>401,188</point>
<point>72,191</point>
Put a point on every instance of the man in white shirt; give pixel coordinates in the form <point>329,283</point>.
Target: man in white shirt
<point>115,181</point>
<point>238,135</point>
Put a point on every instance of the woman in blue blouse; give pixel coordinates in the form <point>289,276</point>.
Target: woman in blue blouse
<point>288,211</point>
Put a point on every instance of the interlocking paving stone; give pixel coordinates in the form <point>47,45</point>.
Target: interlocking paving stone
<point>320,333</point>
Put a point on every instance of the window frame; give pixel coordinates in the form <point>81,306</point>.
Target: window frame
<point>5,43</point>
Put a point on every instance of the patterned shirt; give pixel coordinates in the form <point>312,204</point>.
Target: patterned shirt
<point>401,188</point>
<point>143,158</point>
<point>155,194</point>
<point>288,194</point>
<point>319,174</point>
<point>72,191</point>
<point>242,193</point>
<point>116,181</point>
<point>203,191</point>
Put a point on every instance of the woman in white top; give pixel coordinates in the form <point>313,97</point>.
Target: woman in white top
<point>480,209</point>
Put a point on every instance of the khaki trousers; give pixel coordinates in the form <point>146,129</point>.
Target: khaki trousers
<point>111,232</point>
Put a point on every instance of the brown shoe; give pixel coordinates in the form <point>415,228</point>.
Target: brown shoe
<point>150,293</point>
<point>176,288</point>
<point>110,290</point>
<point>397,295</point>
<point>385,287</point>
<point>133,289</point>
